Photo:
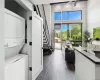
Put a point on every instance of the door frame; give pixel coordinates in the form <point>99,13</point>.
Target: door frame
<point>60,35</point>
<point>37,72</point>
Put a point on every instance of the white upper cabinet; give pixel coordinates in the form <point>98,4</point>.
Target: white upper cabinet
<point>14,25</point>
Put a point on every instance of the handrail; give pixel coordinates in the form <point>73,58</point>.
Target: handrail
<point>46,35</point>
<point>46,25</point>
<point>38,10</point>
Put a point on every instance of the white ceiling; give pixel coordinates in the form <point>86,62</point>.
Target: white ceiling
<point>48,1</point>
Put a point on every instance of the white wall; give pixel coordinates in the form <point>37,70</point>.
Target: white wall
<point>93,15</point>
<point>2,39</point>
<point>68,7</point>
<point>94,20</point>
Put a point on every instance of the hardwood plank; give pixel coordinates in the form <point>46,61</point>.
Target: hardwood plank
<point>55,68</point>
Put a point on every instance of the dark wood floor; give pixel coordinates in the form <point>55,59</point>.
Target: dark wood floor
<point>55,68</point>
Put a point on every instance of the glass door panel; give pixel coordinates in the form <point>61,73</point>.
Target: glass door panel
<point>75,33</point>
<point>58,36</point>
<point>65,32</point>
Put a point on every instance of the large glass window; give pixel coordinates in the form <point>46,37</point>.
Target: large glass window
<point>64,30</point>
<point>68,31</point>
<point>57,16</point>
<point>68,15</point>
<point>64,15</point>
<point>75,31</point>
<point>75,34</point>
<point>77,15</point>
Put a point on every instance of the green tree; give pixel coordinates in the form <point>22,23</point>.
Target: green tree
<point>64,35</point>
<point>96,33</point>
<point>76,32</point>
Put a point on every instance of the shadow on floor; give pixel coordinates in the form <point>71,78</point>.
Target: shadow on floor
<point>70,66</point>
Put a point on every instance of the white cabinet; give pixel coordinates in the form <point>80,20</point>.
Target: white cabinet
<point>14,29</point>
<point>14,25</point>
<point>10,26</point>
<point>20,28</point>
<point>84,68</point>
<point>16,68</point>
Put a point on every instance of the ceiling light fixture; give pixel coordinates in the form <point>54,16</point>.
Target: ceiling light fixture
<point>75,2</point>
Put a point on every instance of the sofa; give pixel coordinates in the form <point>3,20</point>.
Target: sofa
<point>69,55</point>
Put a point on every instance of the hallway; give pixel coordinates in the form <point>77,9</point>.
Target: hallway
<point>58,46</point>
<point>55,68</point>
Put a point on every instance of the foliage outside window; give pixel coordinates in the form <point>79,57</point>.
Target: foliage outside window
<point>72,33</point>
<point>76,32</point>
<point>64,32</point>
<point>96,33</point>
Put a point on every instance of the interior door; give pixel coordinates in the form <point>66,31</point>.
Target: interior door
<point>37,43</point>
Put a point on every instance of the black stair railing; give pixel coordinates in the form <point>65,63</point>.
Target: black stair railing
<point>46,27</point>
<point>46,34</point>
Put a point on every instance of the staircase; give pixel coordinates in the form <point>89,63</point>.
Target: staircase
<point>47,49</point>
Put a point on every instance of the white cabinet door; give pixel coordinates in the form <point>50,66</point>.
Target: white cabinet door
<point>10,26</point>
<point>84,68</point>
<point>14,25</point>
<point>37,43</point>
<point>20,28</point>
<point>14,29</point>
<point>17,70</point>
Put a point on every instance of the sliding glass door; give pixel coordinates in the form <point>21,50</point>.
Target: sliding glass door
<point>72,33</point>
<point>70,27</point>
<point>64,33</point>
<point>58,36</point>
<point>75,34</point>
<point>64,30</point>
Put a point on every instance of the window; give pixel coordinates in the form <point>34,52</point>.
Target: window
<point>64,32</point>
<point>57,16</point>
<point>75,31</point>
<point>68,15</point>
<point>68,31</point>
<point>76,15</point>
<point>64,15</point>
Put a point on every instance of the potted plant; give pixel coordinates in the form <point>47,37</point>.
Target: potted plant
<point>87,38</point>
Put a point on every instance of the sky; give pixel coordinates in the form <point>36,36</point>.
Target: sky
<point>65,27</point>
<point>68,16</point>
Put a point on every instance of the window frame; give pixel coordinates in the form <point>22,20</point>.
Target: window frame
<point>68,15</point>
